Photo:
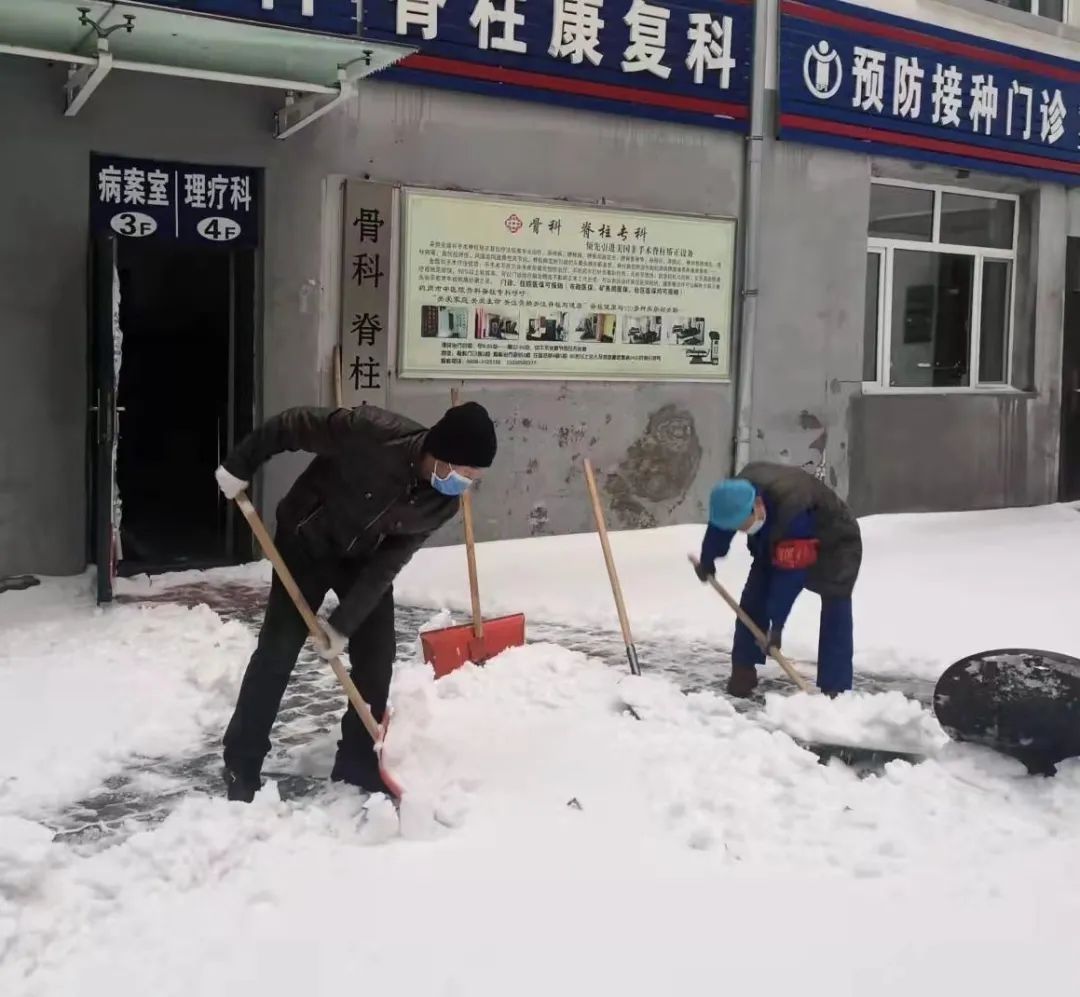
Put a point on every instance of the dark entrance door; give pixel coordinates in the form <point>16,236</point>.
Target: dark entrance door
<point>185,388</point>
<point>102,424</point>
<point>1069,482</point>
<point>173,328</point>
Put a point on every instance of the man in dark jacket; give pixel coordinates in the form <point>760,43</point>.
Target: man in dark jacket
<point>378,487</point>
<point>801,535</point>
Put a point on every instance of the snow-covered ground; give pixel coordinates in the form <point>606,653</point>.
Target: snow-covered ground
<point>83,690</point>
<point>933,588</point>
<point>549,842</point>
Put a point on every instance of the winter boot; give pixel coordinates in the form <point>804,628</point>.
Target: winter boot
<point>359,766</point>
<point>241,786</point>
<point>743,681</point>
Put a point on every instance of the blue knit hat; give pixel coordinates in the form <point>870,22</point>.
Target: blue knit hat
<point>731,503</point>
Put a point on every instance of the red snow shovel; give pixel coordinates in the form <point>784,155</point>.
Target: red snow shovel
<point>451,647</point>
<point>367,718</point>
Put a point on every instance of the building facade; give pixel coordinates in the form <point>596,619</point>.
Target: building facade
<point>595,218</point>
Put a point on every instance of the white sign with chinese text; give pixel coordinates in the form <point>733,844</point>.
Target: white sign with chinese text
<point>512,288</point>
<point>366,277</point>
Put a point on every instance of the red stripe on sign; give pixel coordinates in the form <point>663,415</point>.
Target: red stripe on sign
<point>929,144</point>
<point>560,84</point>
<point>820,15</point>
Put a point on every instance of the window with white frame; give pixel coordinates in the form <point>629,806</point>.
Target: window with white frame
<point>940,273</point>
<point>1053,9</point>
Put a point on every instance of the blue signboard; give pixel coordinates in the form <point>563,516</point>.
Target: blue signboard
<point>178,202</point>
<point>326,16</point>
<point>688,60</point>
<point>854,78</point>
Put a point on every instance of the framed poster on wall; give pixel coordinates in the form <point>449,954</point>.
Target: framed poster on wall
<point>501,287</point>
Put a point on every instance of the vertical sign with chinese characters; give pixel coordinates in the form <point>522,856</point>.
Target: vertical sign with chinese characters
<point>855,78</point>
<point>366,267</point>
<point>677,60</point>
<point>179,202</point>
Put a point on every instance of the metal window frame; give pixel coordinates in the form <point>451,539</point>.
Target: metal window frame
<point>882,254</point>
<point>1036,9</point>
<point>887,248</point>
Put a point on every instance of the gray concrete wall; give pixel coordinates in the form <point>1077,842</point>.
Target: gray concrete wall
<point>939,452</point>
<point>808,356</point>
<point>896,452</point>
<point>659,447</point>
<point>924,452</point>
<point>44,203</point>
<point>1073,207</point>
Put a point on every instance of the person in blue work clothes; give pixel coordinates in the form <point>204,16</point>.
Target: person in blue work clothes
<point>801,535</point>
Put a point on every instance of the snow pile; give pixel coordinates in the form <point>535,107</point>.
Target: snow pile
<point>505,748</point>
<point>567,828</point>
<point>887,721</point>
<point>542,713</point>
<point>24,847</point>
<point>562,832</point>
<point>82,691</point>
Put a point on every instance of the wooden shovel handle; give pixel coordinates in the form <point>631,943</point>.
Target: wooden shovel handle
<point>601,529</point>
<point>337,377</point>
<point>470,548</point>
<point>782,660</point>
<point>302,607</point>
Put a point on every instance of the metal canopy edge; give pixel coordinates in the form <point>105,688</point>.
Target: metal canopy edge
<point>95,37</point>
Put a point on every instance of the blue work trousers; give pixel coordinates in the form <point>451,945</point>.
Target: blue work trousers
<point>835,633</point>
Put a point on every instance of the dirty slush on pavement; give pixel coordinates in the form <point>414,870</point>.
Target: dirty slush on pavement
<point>150,788</point>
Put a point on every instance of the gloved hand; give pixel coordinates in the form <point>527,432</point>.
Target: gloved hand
<point>336,641</point>
<point>772,640</point>
<point>230,485</point>
<point>704,571</point>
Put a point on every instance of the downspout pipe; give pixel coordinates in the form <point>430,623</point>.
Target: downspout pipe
<point>764,13</point>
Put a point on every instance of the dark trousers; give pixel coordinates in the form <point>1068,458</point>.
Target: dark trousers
<point>835,634</point>
<point>372,650</point>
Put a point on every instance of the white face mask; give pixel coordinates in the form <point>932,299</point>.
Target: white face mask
<point>757,525</point>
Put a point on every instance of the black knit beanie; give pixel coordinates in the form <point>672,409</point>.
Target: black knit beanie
<point>465,436</point>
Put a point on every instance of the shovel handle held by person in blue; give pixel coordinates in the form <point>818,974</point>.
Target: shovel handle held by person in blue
<point>774,652</point>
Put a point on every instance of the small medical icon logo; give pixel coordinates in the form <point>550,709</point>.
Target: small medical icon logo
<point>822,70</point>
<point>514,223</point>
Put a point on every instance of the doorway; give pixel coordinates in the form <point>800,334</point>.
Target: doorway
<point>1069,461</point>
<point>184,395</point>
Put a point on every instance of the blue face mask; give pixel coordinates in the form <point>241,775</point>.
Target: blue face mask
<point>453,484</point>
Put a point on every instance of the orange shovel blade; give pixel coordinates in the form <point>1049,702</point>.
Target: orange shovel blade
<point>388,780</point>
<point>448,649</point>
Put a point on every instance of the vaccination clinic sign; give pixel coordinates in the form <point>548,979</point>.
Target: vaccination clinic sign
<point>854,78</point>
